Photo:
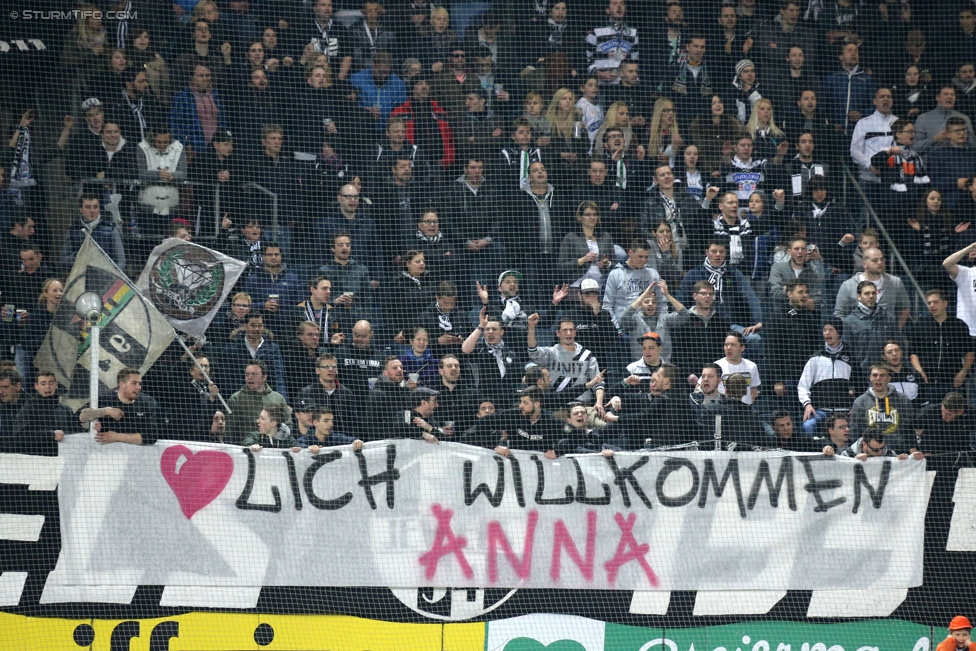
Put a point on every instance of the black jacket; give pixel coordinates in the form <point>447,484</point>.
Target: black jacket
<point>540,436</point>
<point>32,431</point>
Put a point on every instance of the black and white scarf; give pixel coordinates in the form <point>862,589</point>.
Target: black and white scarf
<point>429,240</point>
<point>511,308</point>
<point>556,31</point>
<point>137,108</point>
<point>20,170</point>
<point>416,281</point>
<point>496,351</point>
<point>318,317</point>
<point>444,320</point>
<point>869,311</point>
<point>716,277</point>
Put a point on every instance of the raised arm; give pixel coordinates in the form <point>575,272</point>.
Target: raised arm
<point>469,344</point>
<point>951,264</point>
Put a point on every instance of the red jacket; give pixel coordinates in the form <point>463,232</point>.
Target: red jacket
<point>949,644</point>
<point>447,135</point>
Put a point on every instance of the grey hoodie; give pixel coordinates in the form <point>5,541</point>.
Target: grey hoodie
<point>892,414</point>
<point>569,371</point>
<point>623,287</point>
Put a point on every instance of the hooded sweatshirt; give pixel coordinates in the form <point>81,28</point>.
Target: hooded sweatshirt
<point>893,414</point>
<point>623,287</point>
<point>280,438</point>
<point>569,371</point>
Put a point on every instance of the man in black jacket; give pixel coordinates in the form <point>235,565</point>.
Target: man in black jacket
<point>660,418</point>
<point>946,427</point>
<point>128,416</point>
<point>496,365</point>
<point>360,361</point>
<point>219,165</point>
<point>42,422</point>
<point>794,333</point>
<point>471,204</point>
<point>390,397</point>
<point>942,350</point>
<point>457,401</point>
<point>191,405</point>
<point>528,428</point>
<point>328,393</point>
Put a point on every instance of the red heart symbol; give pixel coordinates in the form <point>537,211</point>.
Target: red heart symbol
<point>201,478</point>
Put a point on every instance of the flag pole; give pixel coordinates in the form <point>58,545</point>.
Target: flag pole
<point>206,377</point>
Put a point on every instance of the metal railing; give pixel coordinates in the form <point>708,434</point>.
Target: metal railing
<point>198,230</point>
<point>919,293</point>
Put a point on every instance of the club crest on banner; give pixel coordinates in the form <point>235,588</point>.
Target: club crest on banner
<point>186,282</point>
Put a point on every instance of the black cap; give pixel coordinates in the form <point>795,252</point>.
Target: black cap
<point>305,405</point>
<point>425,392</point>
<point>223,135</point>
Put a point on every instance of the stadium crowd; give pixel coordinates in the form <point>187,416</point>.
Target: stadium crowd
<point>537,225</point>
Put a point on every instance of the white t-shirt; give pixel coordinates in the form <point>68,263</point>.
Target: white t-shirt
<point>747,368</point>
<point>966,297</point>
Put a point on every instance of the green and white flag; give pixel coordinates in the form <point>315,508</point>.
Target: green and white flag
<point>188,283</point>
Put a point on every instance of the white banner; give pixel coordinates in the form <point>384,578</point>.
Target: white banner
<point>407,513</point>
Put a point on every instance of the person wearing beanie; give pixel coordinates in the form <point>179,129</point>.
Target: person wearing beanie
<point>958,639</point>
<point>745,90</point>
<point>825,385</point>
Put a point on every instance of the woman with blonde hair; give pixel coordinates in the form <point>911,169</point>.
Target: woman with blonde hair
<point>618,117</point>
<point>665,140</point>
<point>766,136</point>
<point>85,45</point>
<point>39,320</point>
<point>587,253</point>
<point>566,133</point>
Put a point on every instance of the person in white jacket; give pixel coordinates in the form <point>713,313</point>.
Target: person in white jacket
<point>825,385</point>
<point>871,135</point>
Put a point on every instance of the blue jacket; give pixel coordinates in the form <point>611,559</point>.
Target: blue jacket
<point>105,234</point>
<point>235,357</point>
<point>739,302</point>
<point>391,95</point>
<point>185,123</point>
<point>261,283</point>
<point>947,165</point>
<point>849,91</point>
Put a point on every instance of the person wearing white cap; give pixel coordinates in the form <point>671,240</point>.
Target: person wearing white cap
<point>514,308</point>
<point>595,328</point>
<point>746,89</point>
<point>78,143</point>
